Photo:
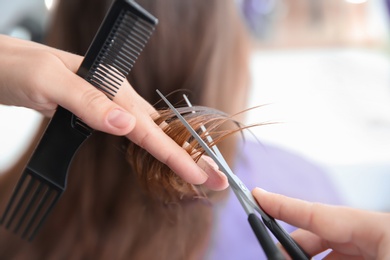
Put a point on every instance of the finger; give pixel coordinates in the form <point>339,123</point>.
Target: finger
<point>332,223</point>
<point>292,211</point>
<point>217,180</point>
<point>152,138</point>
<point>310,243</point>
<point>90,104</point>
<point>314,217</point>
<point>67,89</point>
<point>71,61</point>
<point>334,255</point>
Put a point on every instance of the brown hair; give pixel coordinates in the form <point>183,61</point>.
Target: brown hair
<point>137,209</point>
<point>199,46</point>
<point>120,202</point>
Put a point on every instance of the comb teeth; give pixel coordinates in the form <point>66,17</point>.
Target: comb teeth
<point>33,199</point>
<point>113,52</point>
<point>118,54</point>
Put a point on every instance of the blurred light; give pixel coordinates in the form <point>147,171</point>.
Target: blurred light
<point>49,4</point>
<point>356,1</point>
<point>21,33</point>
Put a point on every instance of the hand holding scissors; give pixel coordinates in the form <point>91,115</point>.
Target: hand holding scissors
<point>248,202</point>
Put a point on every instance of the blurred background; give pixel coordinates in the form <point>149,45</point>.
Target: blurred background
<point>321,69</point>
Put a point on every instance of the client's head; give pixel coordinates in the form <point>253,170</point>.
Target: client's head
<point>199,47</point>
<point>120,202</point>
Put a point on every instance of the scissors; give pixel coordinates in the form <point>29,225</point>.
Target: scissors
<point>247,200</point>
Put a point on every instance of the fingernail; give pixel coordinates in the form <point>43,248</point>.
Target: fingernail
<point>119,118</point>
<point>260,190</point>
<point>204,175</point>
<point>210,162</point>
<point>212,168</point>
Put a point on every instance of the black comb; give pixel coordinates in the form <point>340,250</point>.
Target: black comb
<point>120,39</point>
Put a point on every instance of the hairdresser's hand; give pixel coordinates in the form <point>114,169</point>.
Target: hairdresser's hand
<point>150,136</point>
<point>39,77</point>
<point>350,233</point>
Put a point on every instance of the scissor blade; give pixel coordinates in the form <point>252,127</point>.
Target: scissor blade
<point>202,143</point>
<point>209,138</point>
<point>193,132</point>
<point>237,185</point>
<point>242,192</point>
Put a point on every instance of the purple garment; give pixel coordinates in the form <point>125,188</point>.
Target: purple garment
<point>272,169</point>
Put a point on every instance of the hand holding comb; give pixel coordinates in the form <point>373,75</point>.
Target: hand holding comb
<point>120,39</point>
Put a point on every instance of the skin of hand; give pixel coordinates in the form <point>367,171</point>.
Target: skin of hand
<point>39,77</point>
<point>349,233</point>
